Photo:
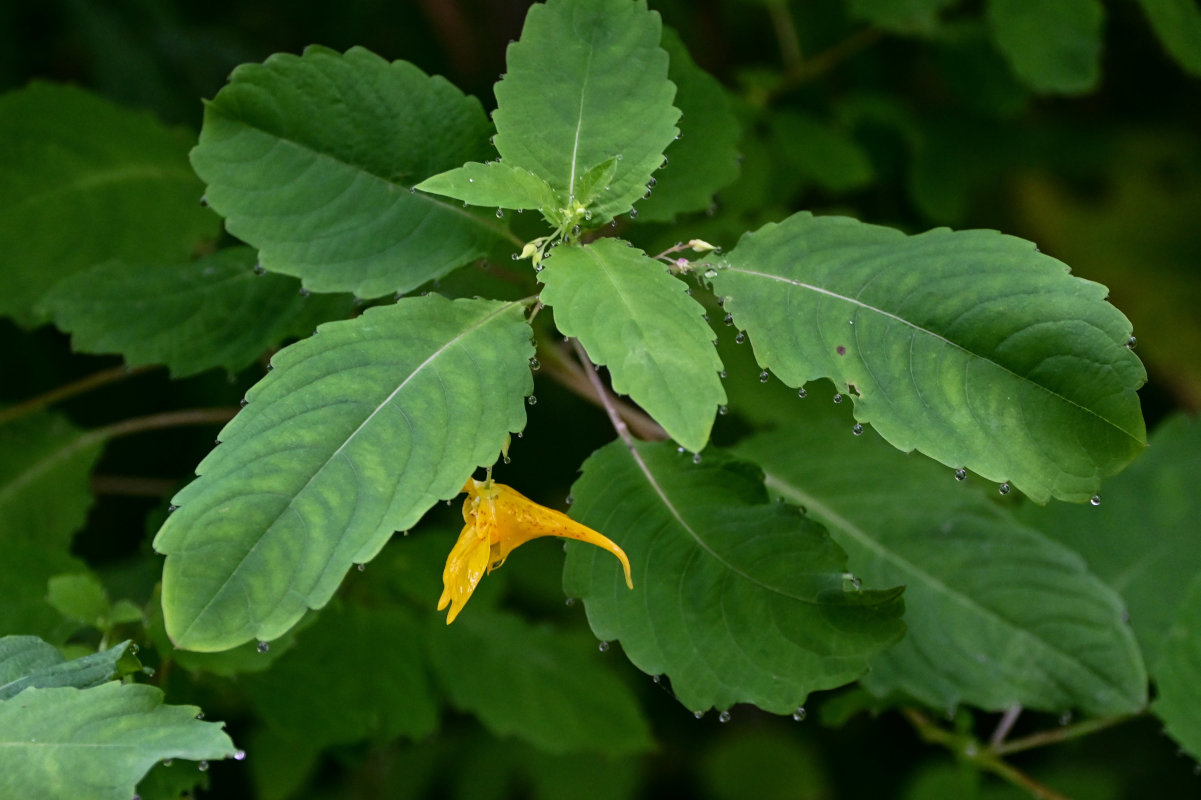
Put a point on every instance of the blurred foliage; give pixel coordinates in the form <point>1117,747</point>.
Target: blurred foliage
<point>916,114</point>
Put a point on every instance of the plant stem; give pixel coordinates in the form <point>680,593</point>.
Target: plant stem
<point>602,395</point>
<point>985,758</point>
<point>1056,735</point>
<point>1004,726</point>
<point>804,71</point>
<point>85,384</point>
<point>785,27</point>
<point>582,381</point>
<point>167,419</point>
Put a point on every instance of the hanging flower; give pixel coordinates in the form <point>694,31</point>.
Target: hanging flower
<point>498,519</point>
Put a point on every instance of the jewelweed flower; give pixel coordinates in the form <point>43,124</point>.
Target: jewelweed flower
<point>498,519</point>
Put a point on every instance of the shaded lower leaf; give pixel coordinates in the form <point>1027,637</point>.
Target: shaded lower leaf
<point>116,179</point>
<point>1178,673</point>
<point>372,682</point>
<point>1143,536</point>
<point>535,684</point>
<point>27,661</point>
<point>636,319</point>
<point>970,346</point>
<point>192,316</point>
<point>1177,23</point>
<point>1052,47</point>
<point>736,598</point>
<point>66,743</point>
<point>355,433</point>
<point>999,616</point>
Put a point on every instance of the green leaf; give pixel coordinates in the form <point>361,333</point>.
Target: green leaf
<point>81,597</point>
<point>766,765</point>
<point>1143,536</point>
<point>97,743</point>
<point>116,180</point>
<point>978,583</point>
<point>635,318</point>
<point>813,149</point>
<point>355,434</point>
<point>1054,48</point>
<point>587,82</point>
<point>310,159</point>
<point>191,316</point>
<point>366,659</point>
<point>901,16</point>
<point>1178,673</point>
<point>705,157</point>
<point>560,700</point>
<point>1177,23</point>
<point>27,661</point>
<point>494,184</point>
<point>969,346</point>
<point>736,598</point>
<point>45,494</point>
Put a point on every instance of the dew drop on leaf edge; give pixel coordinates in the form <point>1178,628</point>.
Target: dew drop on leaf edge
<point>799,715</point>
<point>263,647</point>
<point>724,717</point>
<point>960,474</point>
<point>602,646</point>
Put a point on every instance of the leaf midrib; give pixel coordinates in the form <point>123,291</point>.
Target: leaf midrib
<point>316,473</point>
<point>799,496</point>
<point>882,312</point>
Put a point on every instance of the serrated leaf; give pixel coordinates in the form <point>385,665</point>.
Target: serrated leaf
<point>998,615</point>
<point>970,346</point>
<point>118,180</point>
<point>1051,47</point>
<point>310,159</point>
<point>560,701</point>
<point>1177,23</point>
<point>587,82</point>
<point>45,493</point>
<point>369,660</point>
<point>27,661</point>
<point>705,157</point>
<point>494,184</point>
<point>1143,536</point>
<point>1178,673</point>
<point>192,316</point>
<point>354,435</point>
<point>737,599</point>
<point>636,319</point>
<point>66,743</point>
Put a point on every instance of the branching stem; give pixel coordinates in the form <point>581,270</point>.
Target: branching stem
<point>60,393</point>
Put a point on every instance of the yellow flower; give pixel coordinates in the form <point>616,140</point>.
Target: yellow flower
<point>498,519</point>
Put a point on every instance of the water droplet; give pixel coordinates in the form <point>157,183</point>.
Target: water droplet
<point>413,189</point>
<point>239,755</point>
<point>633,213</point>
<point>802,392</point>
<point>1132,342</point>
<point>171,509</point>
<point>264,647</point>
<point>855,582</point>
<point>569,499</point>
<point>534,364</point>
<point>203,766</point>
<point>575,231</point>
<point>471,180</point>
<point>168,762</point>
<point>204,201</point>
<point>698,714</point>
<point>259,269</point>
<point>242,403</point>
<point>1095,500</point>
<point>722,375</point>
<point>199,715</point>
<point>729,319</point>
<point>515,256</point>
<point>1065,718</point>
<point>763,376</point>
<point>857,429</point>
<point>657,678</point>
<point>740,338</point>
<point>500,213</point>
<point>361,567</point>
<point>1003,488</point>
<point>680,450</point>
<point>799,715</point>
<point>134,649</point>
<point>531,400</point>
<point>696,458</point>
<point>651,183</point>
<point>569,602</point>
<point>148,671</point>
<point>724,717</point>
<point>507,459</point>
<point>960,474</point>
<point>588,213</point>
<point>723,410</point>
<point>837,398</point>
<point>664,162</point>
<point>603,646</point>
